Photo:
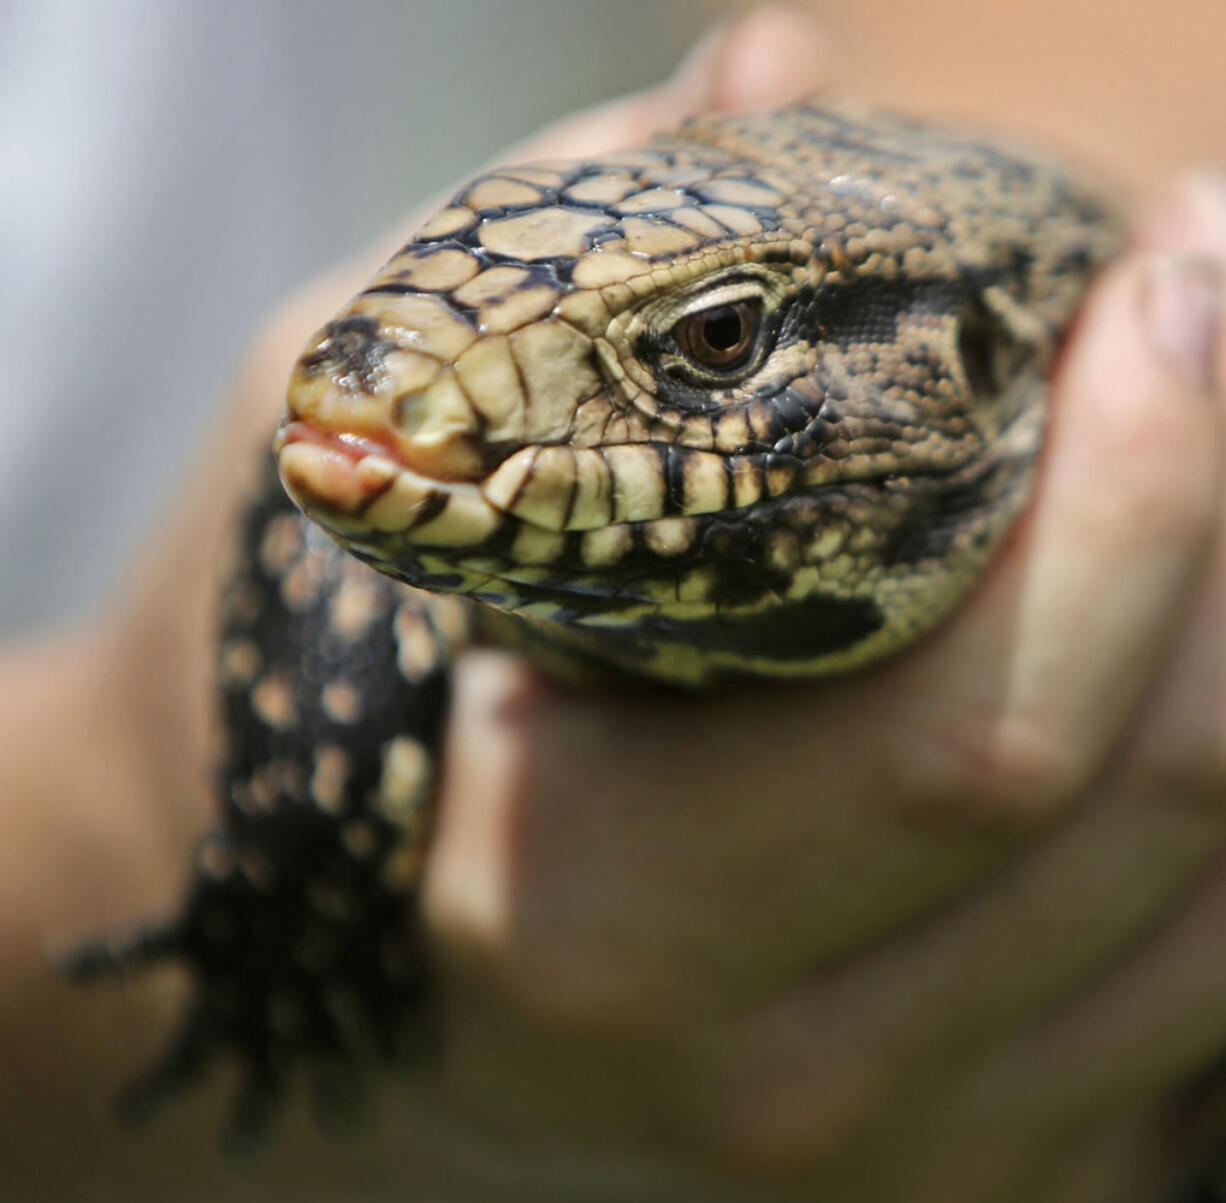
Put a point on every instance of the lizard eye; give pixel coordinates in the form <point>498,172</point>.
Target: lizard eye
<point>722,337</point>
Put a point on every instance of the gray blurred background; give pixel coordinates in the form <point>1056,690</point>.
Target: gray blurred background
<point>170,168</point>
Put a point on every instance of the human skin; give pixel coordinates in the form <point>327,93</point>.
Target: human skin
<point>808,941</point>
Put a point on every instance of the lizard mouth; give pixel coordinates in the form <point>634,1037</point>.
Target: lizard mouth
<point>354,484</point>
<point>449,536</point>
<point>361,491</point>
<point>474,537</point>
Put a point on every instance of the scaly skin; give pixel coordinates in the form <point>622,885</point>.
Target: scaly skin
<point>757,399</point>
<point>506,412</point>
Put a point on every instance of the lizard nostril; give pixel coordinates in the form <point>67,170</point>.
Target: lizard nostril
<point>351,351</point>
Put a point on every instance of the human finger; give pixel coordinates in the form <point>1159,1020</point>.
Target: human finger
<point>1154,1018</point>
<point>771,56</point>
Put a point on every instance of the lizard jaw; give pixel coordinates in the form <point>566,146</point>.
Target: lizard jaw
<point>351,484</point>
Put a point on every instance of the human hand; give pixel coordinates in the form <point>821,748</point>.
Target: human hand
<point>715,920</point>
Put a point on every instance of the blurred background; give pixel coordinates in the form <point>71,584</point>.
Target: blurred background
<point>171,168</point>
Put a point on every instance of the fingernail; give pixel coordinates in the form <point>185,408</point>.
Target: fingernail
<point>1181,303</point>
<point>1187,217</point>
<point>1212,181</point>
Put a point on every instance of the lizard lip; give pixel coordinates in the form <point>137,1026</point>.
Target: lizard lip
<point>351,482</point>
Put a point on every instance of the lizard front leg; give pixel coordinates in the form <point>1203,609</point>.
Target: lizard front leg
<point>298,925</point>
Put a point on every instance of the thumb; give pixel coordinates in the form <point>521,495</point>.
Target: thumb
<point>771,56</point>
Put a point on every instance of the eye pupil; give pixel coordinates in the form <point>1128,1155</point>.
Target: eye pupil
<point>723,328</point>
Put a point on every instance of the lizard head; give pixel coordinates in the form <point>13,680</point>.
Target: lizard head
<point>760,397</point>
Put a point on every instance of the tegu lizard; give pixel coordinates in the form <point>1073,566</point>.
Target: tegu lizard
<point>759,398</point>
